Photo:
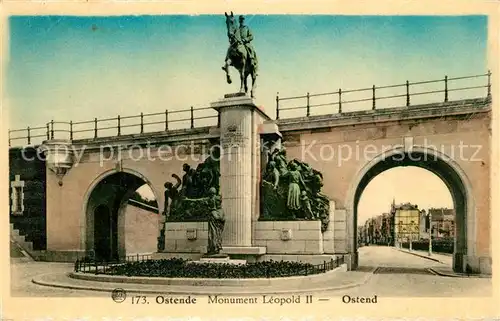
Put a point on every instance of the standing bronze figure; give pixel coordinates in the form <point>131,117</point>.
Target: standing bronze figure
<point>216,222</point>
<point>171,192</point>
<point>240,54</point>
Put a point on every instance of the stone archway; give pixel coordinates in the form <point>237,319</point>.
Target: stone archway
<point>439,164</point>
<point>105,233</point>
<point>109,191</point>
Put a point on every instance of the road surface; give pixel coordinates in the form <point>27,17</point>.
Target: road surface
<point>400,274</point>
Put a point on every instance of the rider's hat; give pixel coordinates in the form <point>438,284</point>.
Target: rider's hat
<point>242,18</point>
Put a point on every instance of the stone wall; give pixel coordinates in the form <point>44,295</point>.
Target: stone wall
<point>68,225</point>
<point>140,231</point>
<point>186,237</point>
<point>341,152</point>
<point>30,168</point>
<point>306,140</point>
<point>340,237</point>
<point>289,237</point>
<point>329,234</point>
<point>279,237</point>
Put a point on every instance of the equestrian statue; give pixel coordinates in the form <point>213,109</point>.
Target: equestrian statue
<point>240,54</point>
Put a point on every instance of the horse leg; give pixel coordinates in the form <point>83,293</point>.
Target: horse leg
<point>246,82</point>
<point>254,85</point>
<point>242,77</point>
<point>227,63</point>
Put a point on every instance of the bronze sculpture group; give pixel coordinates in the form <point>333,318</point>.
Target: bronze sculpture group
<point>182,200</point>
<point>196,197</point>
<point>292,190</point>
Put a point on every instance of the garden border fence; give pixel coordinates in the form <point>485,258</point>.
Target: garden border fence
<point>87,265</point>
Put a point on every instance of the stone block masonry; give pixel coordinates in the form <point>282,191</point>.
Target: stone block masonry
<point>289,237</point>
<point>186,237</point>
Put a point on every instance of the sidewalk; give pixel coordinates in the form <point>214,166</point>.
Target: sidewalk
<point>447,261</point>
<point>437,257</point>
<point>448,271</point>
<point>335,281</point>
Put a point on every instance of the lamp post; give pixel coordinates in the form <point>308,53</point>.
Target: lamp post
<point>430,233</point>
<point>411,238</point>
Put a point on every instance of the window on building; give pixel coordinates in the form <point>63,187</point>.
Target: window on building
<point>19,199</point>
<point>17,196</point>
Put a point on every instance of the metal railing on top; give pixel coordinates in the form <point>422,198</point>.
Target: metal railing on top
<point>116,126</point>
<point>408,91</point>
<point>332,102</point>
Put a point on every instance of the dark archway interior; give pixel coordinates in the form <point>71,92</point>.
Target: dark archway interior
<point>447,175</point>
<point>105,230</point>
<point>103,209</point>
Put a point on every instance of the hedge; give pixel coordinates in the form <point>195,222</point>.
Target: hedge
<point>438,246</point>
<point>179,268</point>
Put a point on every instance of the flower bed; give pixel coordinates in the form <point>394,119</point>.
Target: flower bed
<point>179,268</point>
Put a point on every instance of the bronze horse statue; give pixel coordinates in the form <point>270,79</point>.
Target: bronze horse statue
<point>239,57</point>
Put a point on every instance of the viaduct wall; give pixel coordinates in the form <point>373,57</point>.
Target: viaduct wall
<point>339,146</point>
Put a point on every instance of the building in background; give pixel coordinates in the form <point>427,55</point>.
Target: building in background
<point>377,230</point>
<point>406,222</point>
<point>443,223</point>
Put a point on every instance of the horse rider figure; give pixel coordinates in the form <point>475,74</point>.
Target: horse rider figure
<point>246,38</point>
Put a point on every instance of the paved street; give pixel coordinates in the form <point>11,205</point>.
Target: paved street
<point>402,274</point>
<point>23,270</point>
<point>396,274</point>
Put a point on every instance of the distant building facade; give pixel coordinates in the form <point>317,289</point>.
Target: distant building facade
<point>377,230</point>
<point>443,223</point>
<point>406,222</point>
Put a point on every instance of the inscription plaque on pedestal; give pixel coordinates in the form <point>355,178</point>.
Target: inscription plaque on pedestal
<point>231,139</point>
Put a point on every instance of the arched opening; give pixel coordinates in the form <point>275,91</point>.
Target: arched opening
<point>105,231</point>
<point>113,216</point>
<point>441,166</point>
<point>405,209</point>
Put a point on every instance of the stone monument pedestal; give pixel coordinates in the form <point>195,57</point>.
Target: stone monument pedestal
<point>244,250</point>
<point>219,259</point>
<point>247,135</point>
<point>240,119</point>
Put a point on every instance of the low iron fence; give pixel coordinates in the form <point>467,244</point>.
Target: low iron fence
<point>90,265</point>
<point>102,266</point>
<point>319,268</point>
<point>433,91</point>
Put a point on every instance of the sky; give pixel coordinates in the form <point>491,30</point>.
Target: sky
<point>77,68</point>
<point>403,184</point>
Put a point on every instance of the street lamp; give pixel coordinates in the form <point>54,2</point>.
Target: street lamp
<point>411,238</point>
<point>411,227</point>
<point>430,233</point>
